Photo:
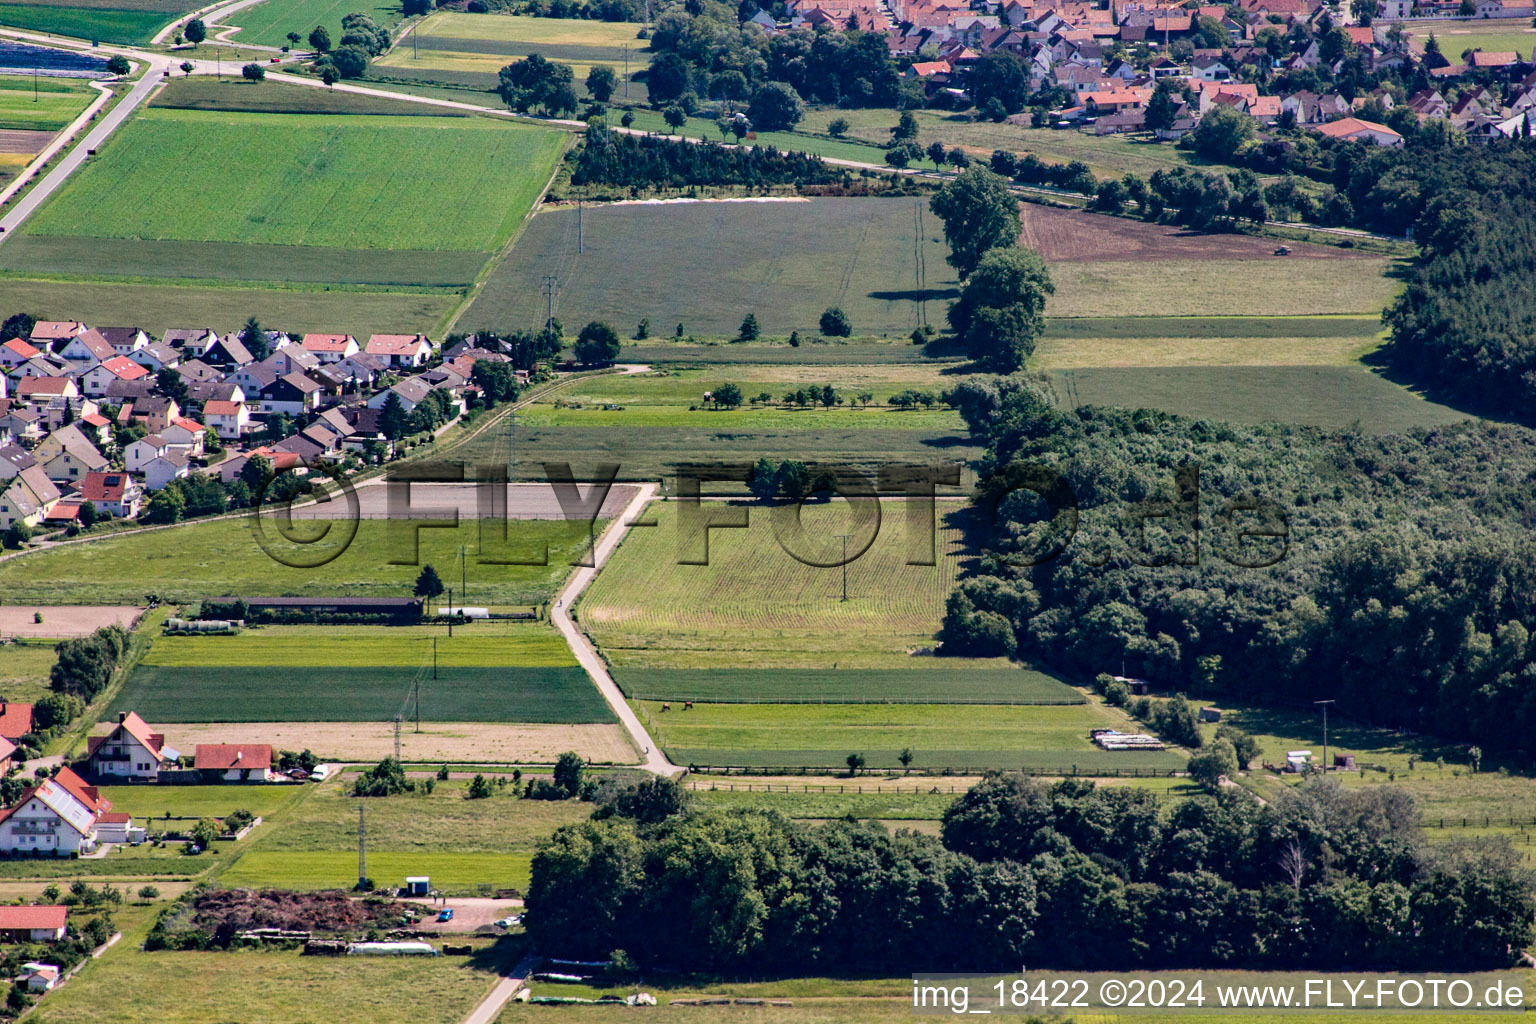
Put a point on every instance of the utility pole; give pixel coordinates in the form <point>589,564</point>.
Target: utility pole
<point>362,849</point>
<point>845,537</point>
<point>579,197</point>
<point>417,697</point>
<point>549,301</point>
<point>397,737</point>
<point>34,84</point>
<point>434,662</point>
<point>415,31</point>
<point>1324,705</point>
<point>450,613</point>
<point>626,71</point>
<point>218,58</point>
<point>463,586</point>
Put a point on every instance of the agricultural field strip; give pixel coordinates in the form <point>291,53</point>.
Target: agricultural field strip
<point>524,646</point>
<point>925,683</point>
<point>306,196</point>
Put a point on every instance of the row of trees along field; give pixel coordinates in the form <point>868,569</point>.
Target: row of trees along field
<point>611,158</point>
<point>1058,876</point>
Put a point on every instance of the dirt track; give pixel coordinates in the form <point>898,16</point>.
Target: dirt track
<point>1074,235</point>
<point>64,620</point>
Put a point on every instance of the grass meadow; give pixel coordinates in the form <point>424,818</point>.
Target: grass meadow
<point>203,93</point>
<point>154,182</point>
<point>226,306</point>
<point>145,802</point>
<point>24,668</point>
<point>108,21</point>
<point>191,561</point>
<point>268,23</point>
<point>1456,36</point>
<point>941,736</point>
<point>464,873</point>
<point>59,101</point>
<point>1176,287</point>
<point>755,606</point>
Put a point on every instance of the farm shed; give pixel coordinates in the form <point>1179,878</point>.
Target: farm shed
<point>1210,714</point>
<point>391,949</point>
<point>1139,687</point>
<point>391,609</point>
<point>418,885</point>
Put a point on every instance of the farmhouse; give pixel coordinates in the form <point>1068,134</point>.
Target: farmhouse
<point>130,751</point>
<point>33,924</point>
<point>234,762</point>
<point>57,818</point>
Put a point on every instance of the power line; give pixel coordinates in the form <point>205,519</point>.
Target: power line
<point>549,287</point>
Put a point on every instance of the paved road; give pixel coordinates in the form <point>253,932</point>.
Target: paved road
<point>105,126</point>
<point>586,654</point>
<point>490,1008</point>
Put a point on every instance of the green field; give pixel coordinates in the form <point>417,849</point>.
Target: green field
<point>192,561</point>
<point>801,142</point>
<point>110,21</point>
<point>442,821</point>
<point>755,606</point>
<point>909,806</point>
<point>777,351</point>
<point>482,645</point>
<point>1196,287</point>
<point>1040,738</point>
<point>1457,36</point>
<point>1330,396</point>
<point>268,23</point>
<point>153,182</point>
<point>203,93</point>
<point>337,869</point>
<point>937,683</point>
<point>1061,353</point>
<point>59,101</point>
<point>201,801</point>
<point>270,988</point>
<point>863,255</point>
<point>24,668</point>
<point>324,693</point>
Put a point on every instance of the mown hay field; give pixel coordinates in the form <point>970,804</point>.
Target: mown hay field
<point>968,737</point>
<point>936,682</point>
<point>296,182</point>
<point>203,93</point>
<point>437,743</point>
<point>756,606</point>
<point>191,561</point>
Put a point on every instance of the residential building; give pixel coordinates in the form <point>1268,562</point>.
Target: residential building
<point>234,762</point>
<point>162,469</point>
<point>184,436</point>
<point>1354,128</point>
<point>33,924</point>
<point>408,350</point>
<point>15,719</point>
<point>228,419</point>
<point>27,498</point>
<point>67,455</point>
<point>144,451</point>
<point>131,751</point>
<point>55,818</point>
<point>330,348</point>
<point>112,492</point>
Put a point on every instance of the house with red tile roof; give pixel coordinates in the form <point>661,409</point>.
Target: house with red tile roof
<point>33,924</point>
<point>1356,129</point>
<point>15,719</point>
<point>131,750</point>
<point>330,348</point>
<point>96,380</point>
<point>15,352</point>
<point>228,419</point>
<point>400,349</point>
<point>113,492</point>
<point>58,817</point>
<point>48,333</point>
<point>234,762</point>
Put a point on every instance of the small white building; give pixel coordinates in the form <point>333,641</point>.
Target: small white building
<point>36,977</point>
<point>161,470</point>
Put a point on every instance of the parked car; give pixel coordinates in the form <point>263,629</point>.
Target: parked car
<point>509,922</point>
<point>446,915</point>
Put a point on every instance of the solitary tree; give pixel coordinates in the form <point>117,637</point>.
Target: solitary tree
<point>776,107</point>
<point>937,153</point>
<point>675,116</point>
<point>727,396</point>
<point>195,31</point>
<point>428,584</point>
<point>253,72</point>
<point>187,67</point>
<point>294,39</point>
<point>118,64</point>
<point>835,323</point>
<point>855,763</point>
<point>597,344</point>
<point>568,771</point>
<point>600,82</point>
<point>838,128</point>
<point>328,75</point>
<point>906,128</point>
<point>905,757</point>
<point>319,39</point>
<point>749,330</point>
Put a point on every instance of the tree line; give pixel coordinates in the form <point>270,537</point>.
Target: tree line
<point>1062,875</point>
<point>635,161</point>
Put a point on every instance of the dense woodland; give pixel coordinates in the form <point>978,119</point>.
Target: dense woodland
<point>1062,876</point>
<point>1401,588</point>
<point>1466,324</point>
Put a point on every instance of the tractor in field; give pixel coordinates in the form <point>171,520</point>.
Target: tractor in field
<point>1283,250</point>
